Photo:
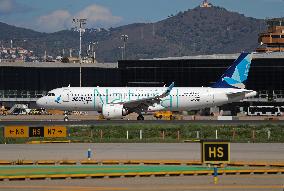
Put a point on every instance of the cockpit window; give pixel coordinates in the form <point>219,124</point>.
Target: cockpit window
<point>51,94</point>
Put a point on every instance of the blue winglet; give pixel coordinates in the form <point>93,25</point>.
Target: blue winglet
<point>170,87</point>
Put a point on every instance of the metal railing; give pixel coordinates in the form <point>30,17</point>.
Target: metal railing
<point>4,94</point>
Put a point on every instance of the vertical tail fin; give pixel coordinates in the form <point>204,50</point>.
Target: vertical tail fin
<point>236,75</point>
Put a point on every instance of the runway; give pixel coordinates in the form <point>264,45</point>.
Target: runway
<point>150,122</point>
<point>136,151</point>
<point>149,151</point>
<point>194,183</point>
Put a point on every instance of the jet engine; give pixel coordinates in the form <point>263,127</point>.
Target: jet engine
<point>112,111</point>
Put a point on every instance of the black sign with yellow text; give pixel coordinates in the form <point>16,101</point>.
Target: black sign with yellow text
<point>36,131</point>
<point>215,152</point>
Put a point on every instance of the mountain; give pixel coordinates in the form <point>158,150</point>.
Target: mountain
<point>9,32</point>
<point>193,32</point>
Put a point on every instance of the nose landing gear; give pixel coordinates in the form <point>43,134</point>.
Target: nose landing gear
<point>140,118</point>
<point>66,116</point>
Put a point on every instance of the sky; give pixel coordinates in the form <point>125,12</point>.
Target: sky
<point>55,15</point>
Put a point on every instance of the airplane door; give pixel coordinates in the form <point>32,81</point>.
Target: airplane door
<point>66,95</point>
<point>209,98</point>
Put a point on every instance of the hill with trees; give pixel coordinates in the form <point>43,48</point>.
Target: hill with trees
<point>192,32</point>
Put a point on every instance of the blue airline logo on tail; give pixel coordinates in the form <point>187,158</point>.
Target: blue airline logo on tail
<point>236,76</point>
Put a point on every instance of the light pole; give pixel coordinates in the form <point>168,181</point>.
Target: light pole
<point>94,44</point>
<point>124,37</point>
<point>121,47</point>
<point>80,24</point>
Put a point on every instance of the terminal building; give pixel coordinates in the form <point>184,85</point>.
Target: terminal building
<point>273,39</point>
<point>25,82</point>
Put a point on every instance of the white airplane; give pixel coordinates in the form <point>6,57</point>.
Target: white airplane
<point>117,102</point>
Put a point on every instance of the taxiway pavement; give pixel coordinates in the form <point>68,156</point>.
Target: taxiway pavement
<point>136,151</point>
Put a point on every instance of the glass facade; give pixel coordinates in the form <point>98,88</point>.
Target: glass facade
<point>265,74</point>
<point>45,79</point>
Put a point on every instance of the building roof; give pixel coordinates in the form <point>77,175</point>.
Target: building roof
<point>272,55</point>
<point>57,64</point>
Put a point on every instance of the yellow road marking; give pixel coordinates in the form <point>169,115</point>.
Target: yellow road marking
<point>157,187</point>
<point>272,176</point>
<point>93,188</point>
<point>212,187</point>
<point>62,188</point>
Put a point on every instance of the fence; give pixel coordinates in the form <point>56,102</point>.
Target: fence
<point>168,133</point>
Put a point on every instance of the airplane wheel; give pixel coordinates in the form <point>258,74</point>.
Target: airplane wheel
<point>140,118</point>
<point>66,119</point>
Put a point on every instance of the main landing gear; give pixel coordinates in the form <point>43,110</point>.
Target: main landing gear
<point>66,116</point>
<point>140,118</point>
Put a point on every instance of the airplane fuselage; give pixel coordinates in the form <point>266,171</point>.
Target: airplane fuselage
<point>179,99</point>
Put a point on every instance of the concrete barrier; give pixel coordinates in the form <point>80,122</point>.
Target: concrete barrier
<point>256,164</point>
<point>46,162</point>
<point>110,162</point>
<point>277,165</point>
<point>24,162</point>
<point>193,163</point>
<point>152,162</point>
<point>5,162</point>
<point>47,142</point>
<point>68,162</point>
<point>90,162</point>
<point>144,174</point>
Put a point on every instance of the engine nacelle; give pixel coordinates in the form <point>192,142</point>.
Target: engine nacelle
<point>113,111</point>
<point>156,107</point>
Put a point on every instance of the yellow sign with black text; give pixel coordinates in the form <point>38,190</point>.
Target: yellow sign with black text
<point>54,131</point>
<point>25,131</point>
<point>16,131</point>
<point>215,152</point>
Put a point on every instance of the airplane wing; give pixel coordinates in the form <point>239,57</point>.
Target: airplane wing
<point>235,95</point>
<point>144,103</point>
<point>239,95</point>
